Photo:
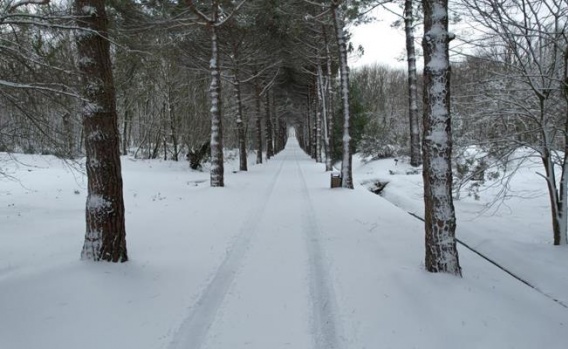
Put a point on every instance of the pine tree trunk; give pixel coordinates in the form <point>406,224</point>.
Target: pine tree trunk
<point>258,138</point>
<point>241,134</point>
<point>318,143</point>
<point>217,166</point>
<point>440,220</point>
<point>105,237</point>
<point>308,136</point>
<point>318,124</point>
<point>275,125</point>
<point>126,129</point>
<point>268,123</point>
<point>329,105</point>
<point>164,128</point>
<point>322,101</point>
<point>282,134</point>
<point>314,118</point>
<point>173,128</point>
<point>346,163</point>
<point>415,155</point>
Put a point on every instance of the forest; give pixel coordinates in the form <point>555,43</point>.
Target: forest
<point>185,80</point>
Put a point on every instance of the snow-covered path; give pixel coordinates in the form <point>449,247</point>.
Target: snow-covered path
<point>320,268</point>
<point>276,259</point>
<point>273,273</point>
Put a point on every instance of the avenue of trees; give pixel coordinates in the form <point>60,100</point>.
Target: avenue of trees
<point>175,78</point>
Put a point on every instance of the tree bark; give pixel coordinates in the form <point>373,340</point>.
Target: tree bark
<point>308,128</point>
<point>105,237</point>
<point>173,127</point>
<point>217,166</point>
<point>561,236</point>
<point>258,137</point>
<point>126,129</point>
<point>268,123</point>
<point>241,134</point>
<point>281,133</point>
<point>346,163</point>
<point>557,199</point>
<point>322,101</point>
<point>440,220</point>
<point>69,136</point>
<point>314,127</point>
<point>415,155</point>
<point>318,123</point>
<point>329,105</point>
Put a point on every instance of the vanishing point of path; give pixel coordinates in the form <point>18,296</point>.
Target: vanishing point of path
<point>273,288</point>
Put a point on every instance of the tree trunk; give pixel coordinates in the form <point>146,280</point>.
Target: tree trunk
<point>318,123</point>
<point>308,128</point>
<point>105,237</point>
<point>561,237</point>
<point>322,101</point>
<point>268,123</point>
<point>156,149</point>
<point>281,133</point>
<point>173,129</point>
<point>346,168</point>
<point>440,220</point>
<point>217,166</point>
<point>557,195</point>
<point>241,134</point>
<point>126,127</point>
<point>329,105</point>
<point>313,125</point>
<point>69,136</point>
<point>258,130</point>
<point>275,124</point>
<point>315,116</point>
<point>557,199</point>
<point>415,155</point>
<point>165,120</point>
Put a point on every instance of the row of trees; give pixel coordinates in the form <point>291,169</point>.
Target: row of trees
<point>236,74</point>
<point>440,221</point>
<point>67,91</point>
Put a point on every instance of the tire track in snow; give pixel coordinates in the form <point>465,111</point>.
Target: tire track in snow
<point>324,304</point>
<point>193,330</point>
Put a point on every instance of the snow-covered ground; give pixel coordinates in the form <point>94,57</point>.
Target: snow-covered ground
<point>515,230</point>
<point>276,259</point>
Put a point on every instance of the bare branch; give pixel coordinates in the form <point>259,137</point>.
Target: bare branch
<point>269,85</point>
<point>21,3</point>
<point>38,87</point>
<point>235,9</point>
<point>200,14</point>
